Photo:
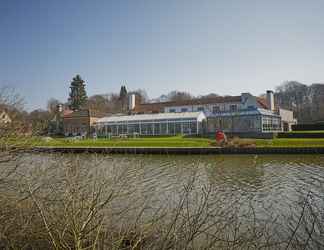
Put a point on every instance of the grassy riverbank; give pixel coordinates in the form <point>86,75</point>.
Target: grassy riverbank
<point>290,142</point>
<point>178,141</point>
<point>174,141</point>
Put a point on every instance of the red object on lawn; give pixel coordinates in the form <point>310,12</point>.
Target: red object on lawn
<point>220,136</point>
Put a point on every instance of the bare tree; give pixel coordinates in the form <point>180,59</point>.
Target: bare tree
<point>10,98</point>
<point>179,96</point>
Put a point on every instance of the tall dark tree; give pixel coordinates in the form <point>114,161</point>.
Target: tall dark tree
<point>123,98</point>
<point>123,92</point>
<point>78,96</point>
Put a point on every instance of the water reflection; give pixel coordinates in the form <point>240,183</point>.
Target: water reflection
<point>274,186</point>
<point>268,179</point>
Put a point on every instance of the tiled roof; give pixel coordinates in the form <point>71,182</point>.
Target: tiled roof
<point>67,112</point>
<point>263,102</point>
<point>159,106</point>
<point>78,113</point>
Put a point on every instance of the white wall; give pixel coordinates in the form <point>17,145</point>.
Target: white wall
<point>207,107</point>
<point>286,115</point>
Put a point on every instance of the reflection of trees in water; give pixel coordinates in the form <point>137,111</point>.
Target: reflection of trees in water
<point>243,173</point>
<point>80,201</point>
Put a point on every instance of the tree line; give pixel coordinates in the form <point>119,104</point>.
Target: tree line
<point>307,102</point>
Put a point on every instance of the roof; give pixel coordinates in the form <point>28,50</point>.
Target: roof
<point>78,113</point>
<point>262,102</point>
<point>67,112</point>
<point>258,111</point>
<point>146,117</point>
<point>159,106</point>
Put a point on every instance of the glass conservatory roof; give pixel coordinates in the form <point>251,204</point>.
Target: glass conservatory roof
<point>199,116</point>
<point>257,111</point>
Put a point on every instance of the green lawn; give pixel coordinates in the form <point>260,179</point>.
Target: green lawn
<point>287,142</point>
<point>175,141</point>
<point>306,132</point>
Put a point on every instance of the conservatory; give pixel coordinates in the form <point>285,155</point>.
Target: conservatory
<point>252,120</point>
<point>187,123</point>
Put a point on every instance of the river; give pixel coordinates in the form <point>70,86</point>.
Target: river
<point>274,186</point>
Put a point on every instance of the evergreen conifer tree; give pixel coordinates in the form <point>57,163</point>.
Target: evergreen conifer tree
<point>78,96</point>
<point>123,98</point>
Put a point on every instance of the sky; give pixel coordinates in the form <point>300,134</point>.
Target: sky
<point>199,46</point>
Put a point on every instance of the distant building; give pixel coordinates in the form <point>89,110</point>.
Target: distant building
<point>4,118</point>
<point>287,119</point>
<point>78,122</point>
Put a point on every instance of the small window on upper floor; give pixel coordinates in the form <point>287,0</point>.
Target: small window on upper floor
<point>184,110</point>
<point>233,108</point>
<point>200,109</point>
<point>172,110</point>
<point>216,109</point>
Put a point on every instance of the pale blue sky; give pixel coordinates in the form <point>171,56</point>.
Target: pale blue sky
<point>225,47</point>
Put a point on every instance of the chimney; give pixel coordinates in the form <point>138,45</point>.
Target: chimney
<point>59,108</point>
<point>131,102</point>
<point>270,100</point>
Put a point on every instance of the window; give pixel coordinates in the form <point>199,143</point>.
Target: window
<point>251,123</point>
<point>233,108</point>
<point>216,109</point>
<point>172,110</point>
<point>184,110</point>
<point>200,109</point>
<point>250,107</point>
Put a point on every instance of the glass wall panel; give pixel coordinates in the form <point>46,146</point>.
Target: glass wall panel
<point>150,127</point>
<point>193,126</point>
<point>186,128</point>
<point>171,128</point>
<point>157,128</point>
<point>177,127</point>
<point>164,129</point>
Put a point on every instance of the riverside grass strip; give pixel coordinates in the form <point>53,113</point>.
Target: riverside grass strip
<point>178,141</point>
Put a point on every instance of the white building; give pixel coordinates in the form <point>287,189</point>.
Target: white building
<point>216,104</point>
<point>237,114</point>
